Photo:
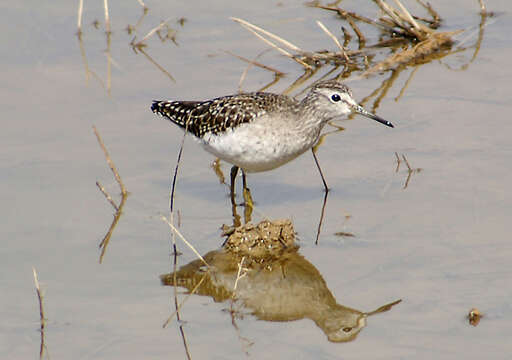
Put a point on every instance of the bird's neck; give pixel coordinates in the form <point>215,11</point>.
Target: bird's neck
<point>312,119</point>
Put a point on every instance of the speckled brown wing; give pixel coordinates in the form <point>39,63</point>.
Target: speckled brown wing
<point>217,115</point>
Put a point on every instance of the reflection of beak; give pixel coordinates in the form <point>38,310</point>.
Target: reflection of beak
<point>360,110</point>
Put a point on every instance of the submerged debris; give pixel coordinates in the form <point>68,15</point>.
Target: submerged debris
<point>474,316</point>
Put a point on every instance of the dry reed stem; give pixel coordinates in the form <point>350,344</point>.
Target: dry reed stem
<point>88,71</point>
<point>239,274</point>
<point>268,33</point>
<point>407,82</point>
<point>109,62</point>
<point>256,63</point>
<point>139,21</point>
<point>420,51</point>
<point>410,169</point>
<point>119,209</point>
<point>360,36</point>
<point>348,14</point>
<point>177,232</point>
<point>106,239</point>
<point>252,63</point>
<point>107,18</point>
<point>142,4</point>
<point>107,196</point>
<point>391,12</point>
<point>482,6</point>
<point>407,163</point>
<point>242,272</point>
<point>398,161</point>
<point>402,18</point>
<point>436,19</point>
<point>110,162</point>
<point>84,59</point>
<point>335,39</point>
<point>271,83</point>
<point>42,318</point>
<point>153,31</point>
<point>282,51</point>
<point>157,64</point>
<point>255,29</point>
<point>184,300</point>
<point>407,15</point>
<point>79,21</point>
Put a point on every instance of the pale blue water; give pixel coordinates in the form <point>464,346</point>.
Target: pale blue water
<point>442,244</point>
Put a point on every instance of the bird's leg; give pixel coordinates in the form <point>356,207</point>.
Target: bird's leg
<point>236,217</point>
<point>234,172</point>
<point>247,200</point>
<point>320,170</point>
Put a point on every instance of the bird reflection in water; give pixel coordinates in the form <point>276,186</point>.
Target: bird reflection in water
<point>276,282</point>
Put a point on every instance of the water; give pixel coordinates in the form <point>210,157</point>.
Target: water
<point>442,244</point>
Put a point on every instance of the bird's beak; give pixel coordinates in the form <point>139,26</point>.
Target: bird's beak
<point>360,110</point>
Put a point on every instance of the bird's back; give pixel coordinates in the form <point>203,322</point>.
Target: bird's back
<point>223,113</point>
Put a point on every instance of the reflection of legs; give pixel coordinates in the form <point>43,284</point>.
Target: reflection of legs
<point>236,217</point>
<point>322,213</point>
<point>247,200</point>
<point>248,204</point>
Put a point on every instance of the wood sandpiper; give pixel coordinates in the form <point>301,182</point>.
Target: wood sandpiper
<point>261,131</point>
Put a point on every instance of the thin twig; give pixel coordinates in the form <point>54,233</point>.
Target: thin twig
<point>407,163</point>
<point>398,161</point>
<point>79,21</point>
<point>282,51</point>
<point>482,6</point>
<point>110,162</point>
<point>184,300</point>
<point>268,33</point>
<point>109,62</point>
<point>107,18</point>
<point>335,39</point>
<point>104,243</point>
<point>239,274</point>
<point>88,72</point>
<point>173,228</point>
<point>107,196</point>
<point>402,90</point>
<point>124,194</point>
<point>254,29</point>
<point>154,30</point>
<point>255,63</point>
<point>156,64</point>
<point>436,19</point>
<point>360,36</point>
<point>42,319</point>
<point>407,15</point>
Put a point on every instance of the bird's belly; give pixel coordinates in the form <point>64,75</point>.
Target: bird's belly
<point>255,153</point>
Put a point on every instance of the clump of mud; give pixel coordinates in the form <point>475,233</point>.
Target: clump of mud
<point>266,241</point>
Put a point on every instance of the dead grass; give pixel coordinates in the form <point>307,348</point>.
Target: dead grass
<point>118,208</point>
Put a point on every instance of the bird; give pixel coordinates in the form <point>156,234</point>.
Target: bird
<point>261,131</point>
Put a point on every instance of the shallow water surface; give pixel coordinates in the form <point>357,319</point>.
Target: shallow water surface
<point>441,244</point>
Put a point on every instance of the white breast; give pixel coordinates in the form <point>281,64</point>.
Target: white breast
<point>256,146</point>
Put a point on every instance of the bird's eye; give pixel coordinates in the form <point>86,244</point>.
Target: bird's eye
<point>346,329</point>
<point>335,98</point>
